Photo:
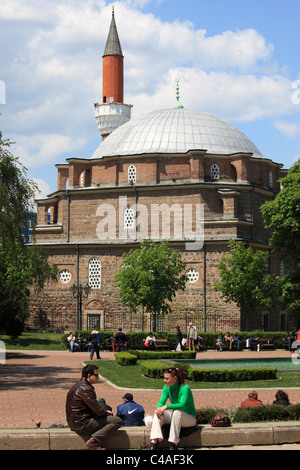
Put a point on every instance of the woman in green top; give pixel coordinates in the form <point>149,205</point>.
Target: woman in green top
<point>179,413</point>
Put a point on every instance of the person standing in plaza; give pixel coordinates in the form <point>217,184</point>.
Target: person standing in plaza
<point>121,340</point>
<point>95,343</point>
<point>192,336</point>
<point>84,414</point>
<point>178,346</point>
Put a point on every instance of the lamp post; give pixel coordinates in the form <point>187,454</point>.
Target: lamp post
<point>79,292</point>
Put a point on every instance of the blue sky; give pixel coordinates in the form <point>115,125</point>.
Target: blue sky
<point>236,59</point>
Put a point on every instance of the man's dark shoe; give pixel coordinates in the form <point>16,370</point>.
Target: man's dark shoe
<point>93,444</point>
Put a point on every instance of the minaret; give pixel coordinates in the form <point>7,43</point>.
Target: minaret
<point>112,113</point>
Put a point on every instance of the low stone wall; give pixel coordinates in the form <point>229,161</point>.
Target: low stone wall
<point>138,437</point>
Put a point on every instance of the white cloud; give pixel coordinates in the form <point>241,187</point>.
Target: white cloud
<point>44,149</point>
<point>25,10</point>
<point>43,188</point>
<point>231,96</point>
<point>53,71</point>
<point>289,129</point>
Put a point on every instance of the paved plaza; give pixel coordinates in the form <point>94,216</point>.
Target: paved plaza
<point>34,384</point>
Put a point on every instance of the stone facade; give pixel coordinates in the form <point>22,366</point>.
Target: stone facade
<point>98,193</point>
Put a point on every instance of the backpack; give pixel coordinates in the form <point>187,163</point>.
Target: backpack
<point>221,420</point>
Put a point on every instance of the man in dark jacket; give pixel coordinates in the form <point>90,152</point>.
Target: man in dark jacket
<point>95,343</point>
<point>85,416</point>
<point>130,412</point>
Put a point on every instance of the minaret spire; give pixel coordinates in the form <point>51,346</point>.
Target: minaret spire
<point>112,113</point>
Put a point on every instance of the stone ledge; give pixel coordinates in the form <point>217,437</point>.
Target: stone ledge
<point>138,437</point>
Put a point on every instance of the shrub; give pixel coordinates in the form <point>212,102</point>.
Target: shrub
<point>267,413</point>
<point>125,359</point>
<point>145,355</point>
<point>230,375</point>
<point>153,369</point>
<point>252,414</point>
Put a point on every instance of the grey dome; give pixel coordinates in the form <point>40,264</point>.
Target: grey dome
<point>172,131</point>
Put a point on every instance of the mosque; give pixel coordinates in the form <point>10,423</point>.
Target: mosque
<point>175,173</point>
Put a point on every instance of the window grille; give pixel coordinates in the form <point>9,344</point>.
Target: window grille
<point>64,276</point>
<point>270,179</point>
<point>95,273</point>
<point>131,174</point>
<point>214,172</point>
<point>129,217</point>
<point>281,269</point>
<point>192,275</point>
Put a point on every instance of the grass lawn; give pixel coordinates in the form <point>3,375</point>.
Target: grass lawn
<point>132,377</point>
<point>35,341</point>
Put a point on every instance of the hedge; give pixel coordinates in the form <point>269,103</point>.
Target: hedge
<point>252,414</point>
<point>144,355</point>
<point>267,413</point>
<point>231,375</point>
<point>125,359</point>
<point>136,338</point>
<point>155,370</point>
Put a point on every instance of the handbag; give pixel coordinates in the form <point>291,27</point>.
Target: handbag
<point>221,420</point>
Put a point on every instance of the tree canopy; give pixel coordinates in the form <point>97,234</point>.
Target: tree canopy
<point>282,216</point>
<point>150,276</point>
<point>21,266</point>
<point>244,278</point>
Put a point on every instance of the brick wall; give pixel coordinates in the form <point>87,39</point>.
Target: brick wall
<point>231,208</point>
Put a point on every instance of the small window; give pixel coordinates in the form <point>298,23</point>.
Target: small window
<point>95,273</point>
<point>281,269</point>
<point>81,179</point>
<point>128,217</point>
<point>214,172</point>
<point>131,174</point>
<point>270,179</point>
<point>192,275</point>
<point>64,276</point>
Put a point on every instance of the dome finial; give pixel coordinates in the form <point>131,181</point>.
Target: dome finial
<point>177,104</point>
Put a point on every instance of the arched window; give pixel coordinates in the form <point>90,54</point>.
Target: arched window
<point>131,174</point>
<point>214,172</point>
<point>94,273</point>
<point>128,217</point>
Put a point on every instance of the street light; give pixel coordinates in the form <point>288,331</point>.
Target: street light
<point>79,292</point>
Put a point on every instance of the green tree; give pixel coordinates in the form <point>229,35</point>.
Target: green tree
<point>282,216</point>
<point>21,266</point>
<point>244,278</point>
<point>150,277</point>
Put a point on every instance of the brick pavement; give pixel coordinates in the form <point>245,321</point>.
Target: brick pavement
<point>34,384</point>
